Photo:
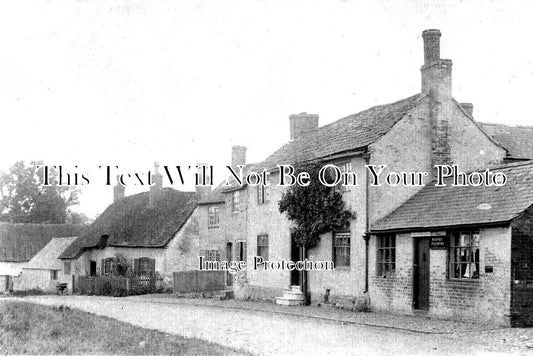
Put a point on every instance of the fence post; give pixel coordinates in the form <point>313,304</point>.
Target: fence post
<point>128,285</point>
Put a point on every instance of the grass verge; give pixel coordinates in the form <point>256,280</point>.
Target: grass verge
<point>35,329</point>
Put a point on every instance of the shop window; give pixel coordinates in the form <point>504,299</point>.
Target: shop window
<point>464,255</point>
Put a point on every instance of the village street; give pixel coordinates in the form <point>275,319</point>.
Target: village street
<point>274,333</point>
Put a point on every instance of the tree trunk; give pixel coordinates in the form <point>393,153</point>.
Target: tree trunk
<point>305,289</point>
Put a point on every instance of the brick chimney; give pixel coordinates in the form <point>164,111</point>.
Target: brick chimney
<point>238,156</point>
<point>203,191</point>
<point>468,108</point>
<point>302,123</point>
<point>437,82</point>
<point>157,184</point>
<point>118,191</point>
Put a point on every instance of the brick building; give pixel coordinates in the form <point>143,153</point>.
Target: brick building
<point>455,251</point>
<point>412,134</point>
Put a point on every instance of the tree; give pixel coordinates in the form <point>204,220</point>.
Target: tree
<point>24,199</point>
<point>315,209</point>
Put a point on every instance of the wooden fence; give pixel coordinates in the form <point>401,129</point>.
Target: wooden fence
<point>199,281</point>
<point>112,285</point>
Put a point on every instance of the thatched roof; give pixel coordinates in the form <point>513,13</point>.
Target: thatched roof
<point>20,242</point>
<point>134,222</point>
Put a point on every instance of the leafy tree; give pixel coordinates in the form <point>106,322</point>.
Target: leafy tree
<point>24,198</point>
<point>315,209</point>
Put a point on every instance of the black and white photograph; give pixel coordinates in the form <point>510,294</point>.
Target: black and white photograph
<point>266,177</point>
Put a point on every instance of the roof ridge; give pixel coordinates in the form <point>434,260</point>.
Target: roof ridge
<point>505,125</point>
<point>375,107</point>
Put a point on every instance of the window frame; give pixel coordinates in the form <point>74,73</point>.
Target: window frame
<point>344,235</point>
<point>213,217</point>
<point>386,255</point>
<point>344,166</point>
<point>108,266</point>
<point>212,255</point>
<point>236,201</point>
<point>470,250</point>
<point>53,275</point>
<point>261,194</point>
<point>263,246</point>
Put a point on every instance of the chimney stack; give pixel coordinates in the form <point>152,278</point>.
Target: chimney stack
<point>157,184</point>
<point>118,191</point>
<point>203,191</point>
<point>437,83</point>
<point>301,124</point>
<point>238,156</point>
<point>468,108</point>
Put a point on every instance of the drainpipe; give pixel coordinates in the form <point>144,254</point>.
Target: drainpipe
<point>366,235</point>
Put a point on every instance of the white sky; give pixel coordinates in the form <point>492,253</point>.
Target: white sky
<point>131,82</point>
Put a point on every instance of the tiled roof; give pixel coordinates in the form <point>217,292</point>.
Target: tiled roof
<point>48,257</point>
<point>20,242</point>
<point>438,207</point>
<point>518,140</point>
<point>349,134</point>
<point>132,222</point>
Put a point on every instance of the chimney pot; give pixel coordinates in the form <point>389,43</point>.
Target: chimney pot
<point>157,184</point>
<point>201,190</point>
<point>468,108</point>
<point>118,191</point>
<point>431,45</point>
<point>301,124</point>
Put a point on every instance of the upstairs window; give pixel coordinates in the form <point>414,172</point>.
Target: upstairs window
<point>262,246</point>
<point>261,194</point>
<point>386,254</point>
<point>344,168</point>
<point>236,201</point>
<point>464,255</point>
<point>341,249</point>
<point>214,217</point>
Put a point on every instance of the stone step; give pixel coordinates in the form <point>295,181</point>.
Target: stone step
<point>288,302</point>
<point>293,296</point>
<point>296,289</point>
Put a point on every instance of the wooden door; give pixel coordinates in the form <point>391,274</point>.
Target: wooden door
<point>421,273</point>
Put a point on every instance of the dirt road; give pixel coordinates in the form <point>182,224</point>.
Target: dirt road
<point>266,333</point>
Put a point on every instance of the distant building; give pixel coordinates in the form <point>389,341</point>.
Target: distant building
<point>19,243</point>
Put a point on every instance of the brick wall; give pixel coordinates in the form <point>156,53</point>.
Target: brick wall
<point>393,293</point>
<point>522,270</point>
